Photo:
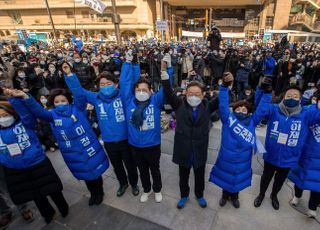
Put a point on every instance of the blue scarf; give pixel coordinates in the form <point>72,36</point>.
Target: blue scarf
<point>137,115</point>
<point>108,99</point>
<point>66,111</point>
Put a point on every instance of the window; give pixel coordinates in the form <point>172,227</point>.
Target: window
<point>269,21</point>
<point>69,14</point>
<point>255,21</point>
<point>85,14</point>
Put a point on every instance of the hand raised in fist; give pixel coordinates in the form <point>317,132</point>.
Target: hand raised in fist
<point>227,79</point>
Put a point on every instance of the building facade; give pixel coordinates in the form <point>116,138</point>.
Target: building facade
<point>138,17</point>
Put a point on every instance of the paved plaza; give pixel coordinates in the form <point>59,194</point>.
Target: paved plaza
<point>128,213</point>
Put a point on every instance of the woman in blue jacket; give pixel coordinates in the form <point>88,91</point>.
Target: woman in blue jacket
<point>29,174</point>
<point>288,125</point>
<point>79,146</point>
<point>108,104</point>
<point>232,170</point>
<point>306,174</point>
<point>143,110</point>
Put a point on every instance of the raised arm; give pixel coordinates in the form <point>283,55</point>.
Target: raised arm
<point>224,96</point>
<point>26,116</point>
<point>81,96</point>
<point>170,96</point>
<point>224,103</point>
<point>264,106</point>
<point>127,81</point>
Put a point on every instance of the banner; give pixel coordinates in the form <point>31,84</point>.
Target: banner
<point>96,5</point>
<point>192,34</point>
<point>162,25</point>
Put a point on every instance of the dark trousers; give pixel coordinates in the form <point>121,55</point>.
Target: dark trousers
<point>121,156</point>
<point>280,175</point>
<point>148,160</point>
<point>232,195</point>
<point>95,187</point>
<point>184,181</point>
<point>46,209</point>
<point>314,199</point>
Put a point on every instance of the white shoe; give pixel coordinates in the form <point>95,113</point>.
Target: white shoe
<point>144,197</point>
<point>158,197</point>
<point>312,214</point>
<point>295,200</point>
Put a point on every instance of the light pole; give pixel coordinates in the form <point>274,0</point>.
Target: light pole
<point>116,21</point>
<point>52,24</point>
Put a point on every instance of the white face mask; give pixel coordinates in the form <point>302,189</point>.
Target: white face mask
<point>248,93</point>
<point>142,96</point>
<point>77,60</point>
<point>21,75</point>
<point>44,101</point>
<point>85,61</point>
<point>193,101</point>
<point>52,70</point>
<point>6,121</point>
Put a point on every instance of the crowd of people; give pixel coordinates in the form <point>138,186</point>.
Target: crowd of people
<point>98,103</point>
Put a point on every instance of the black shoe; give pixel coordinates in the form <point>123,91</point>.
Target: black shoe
<point>274,202</point>
<point>48,219</point>
<point>99,199</point>
<point>91,200</point>
<point>135,190</point>
<point>258,201</point>
<point>65,212</point>
<point>236,203</point>
<point>122,190</point>
<point>222,202</point>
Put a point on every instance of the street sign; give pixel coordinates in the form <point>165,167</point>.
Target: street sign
<point>162,25</point>
<point>96,5</point>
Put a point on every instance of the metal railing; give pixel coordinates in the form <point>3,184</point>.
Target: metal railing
<point>301,18</point>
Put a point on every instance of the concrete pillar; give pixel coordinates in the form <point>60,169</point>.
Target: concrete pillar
<point>174,25</point>
<point>263,16</point>
<point>166,17</point>
<point>281,14</point>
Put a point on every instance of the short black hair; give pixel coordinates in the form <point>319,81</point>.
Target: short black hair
<point>197,84</point>
<point>240,104</point>
<point>106,75</point>
<point>293,86</point>
<point>141,81</point>
<point>56,92</point>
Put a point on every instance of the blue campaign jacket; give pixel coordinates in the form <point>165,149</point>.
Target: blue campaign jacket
<point>21,133</point>
<point>110,113</point>
<point>78,144</point>
<point>286,135</point>
<point>268,66</point>
<point>232,170</point>
<point>306,174</point>
<point>150,133</point>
